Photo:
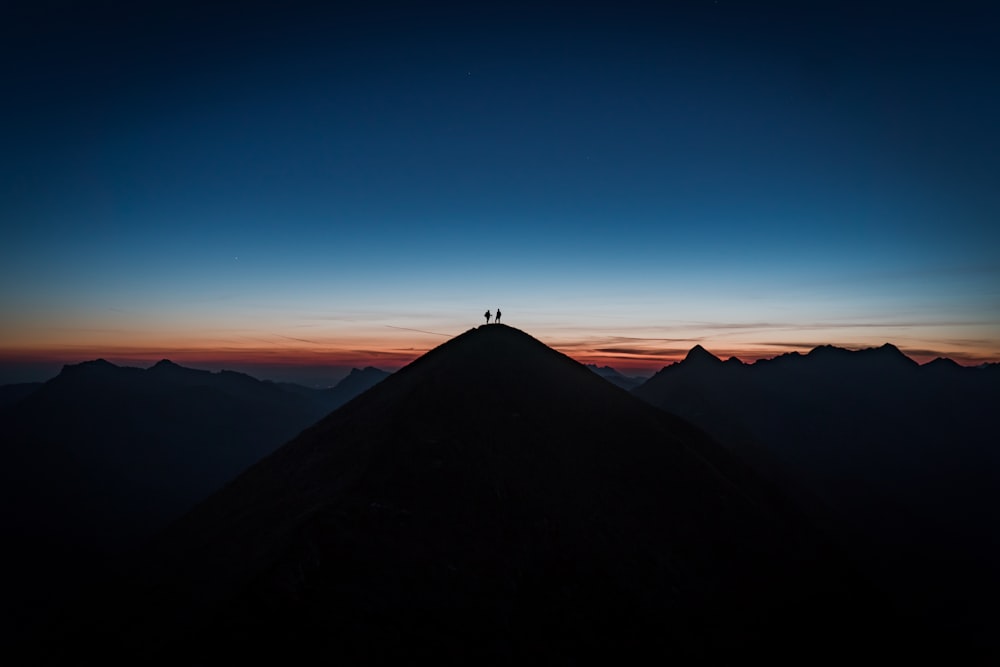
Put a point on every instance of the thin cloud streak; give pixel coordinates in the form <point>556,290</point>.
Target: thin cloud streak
<point>433,333</point>
<point>638,352</point>
<point>821,325</point>
<point>301,340</point>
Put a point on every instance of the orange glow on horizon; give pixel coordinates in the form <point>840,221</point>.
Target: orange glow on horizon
<point>392,357</point>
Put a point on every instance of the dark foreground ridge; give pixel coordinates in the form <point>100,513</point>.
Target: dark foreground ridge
<point>495,501</point>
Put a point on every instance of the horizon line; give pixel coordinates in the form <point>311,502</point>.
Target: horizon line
<point>636,362</point>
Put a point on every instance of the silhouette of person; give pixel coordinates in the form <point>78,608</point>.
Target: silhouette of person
<point>487,317</point>
<point>496,320</point>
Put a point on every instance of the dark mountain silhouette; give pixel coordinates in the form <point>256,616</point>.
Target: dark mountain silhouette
<point>942,365</point>
<point>615,377</point>
<point>899,461</point>
<point>102,456</point>
<point>326,400</point>
<point>495,501</point>
<point>357,381</point>
<point>175,433</point>
<point>701,356</point>
<point>11,394</point>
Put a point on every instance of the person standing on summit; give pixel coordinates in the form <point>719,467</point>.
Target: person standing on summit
<point>496,320</point>
<point>487,317</point>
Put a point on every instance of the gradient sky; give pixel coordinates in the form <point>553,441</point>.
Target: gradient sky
<point>242,185</point>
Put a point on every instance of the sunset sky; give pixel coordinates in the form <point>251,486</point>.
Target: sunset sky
<point>233,185</point>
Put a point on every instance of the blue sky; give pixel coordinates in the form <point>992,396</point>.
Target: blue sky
<point>307,185</point>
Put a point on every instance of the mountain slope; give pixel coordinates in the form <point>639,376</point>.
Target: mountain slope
<point>495,500</point>
<point>616,378</point>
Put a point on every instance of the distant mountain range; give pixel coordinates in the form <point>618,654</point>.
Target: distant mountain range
<point>614,377</point>
<point>495,501</point>
<point>900,461</point>
<point>101,456</point>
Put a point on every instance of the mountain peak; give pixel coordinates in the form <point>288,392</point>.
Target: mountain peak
<point>615,377</point>
<point>98,365</point>
<point>885,353</point>
<point>888,353</point>
<point>168,369</point>
<point>700,355</point>
<point>357,381</point>
<point>164,364</point>
<point>887,349</point>
<point>826,350</point>
<point>365,371</point>
<point>604,371</point>
<point>943,361</point>
<point>491,355</point>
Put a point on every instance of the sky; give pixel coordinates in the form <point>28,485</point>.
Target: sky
<point>293,189</point>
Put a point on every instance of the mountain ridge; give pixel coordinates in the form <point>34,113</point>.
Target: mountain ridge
<point>887,354</point>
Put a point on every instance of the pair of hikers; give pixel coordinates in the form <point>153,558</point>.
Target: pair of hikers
<point>496,320</point>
